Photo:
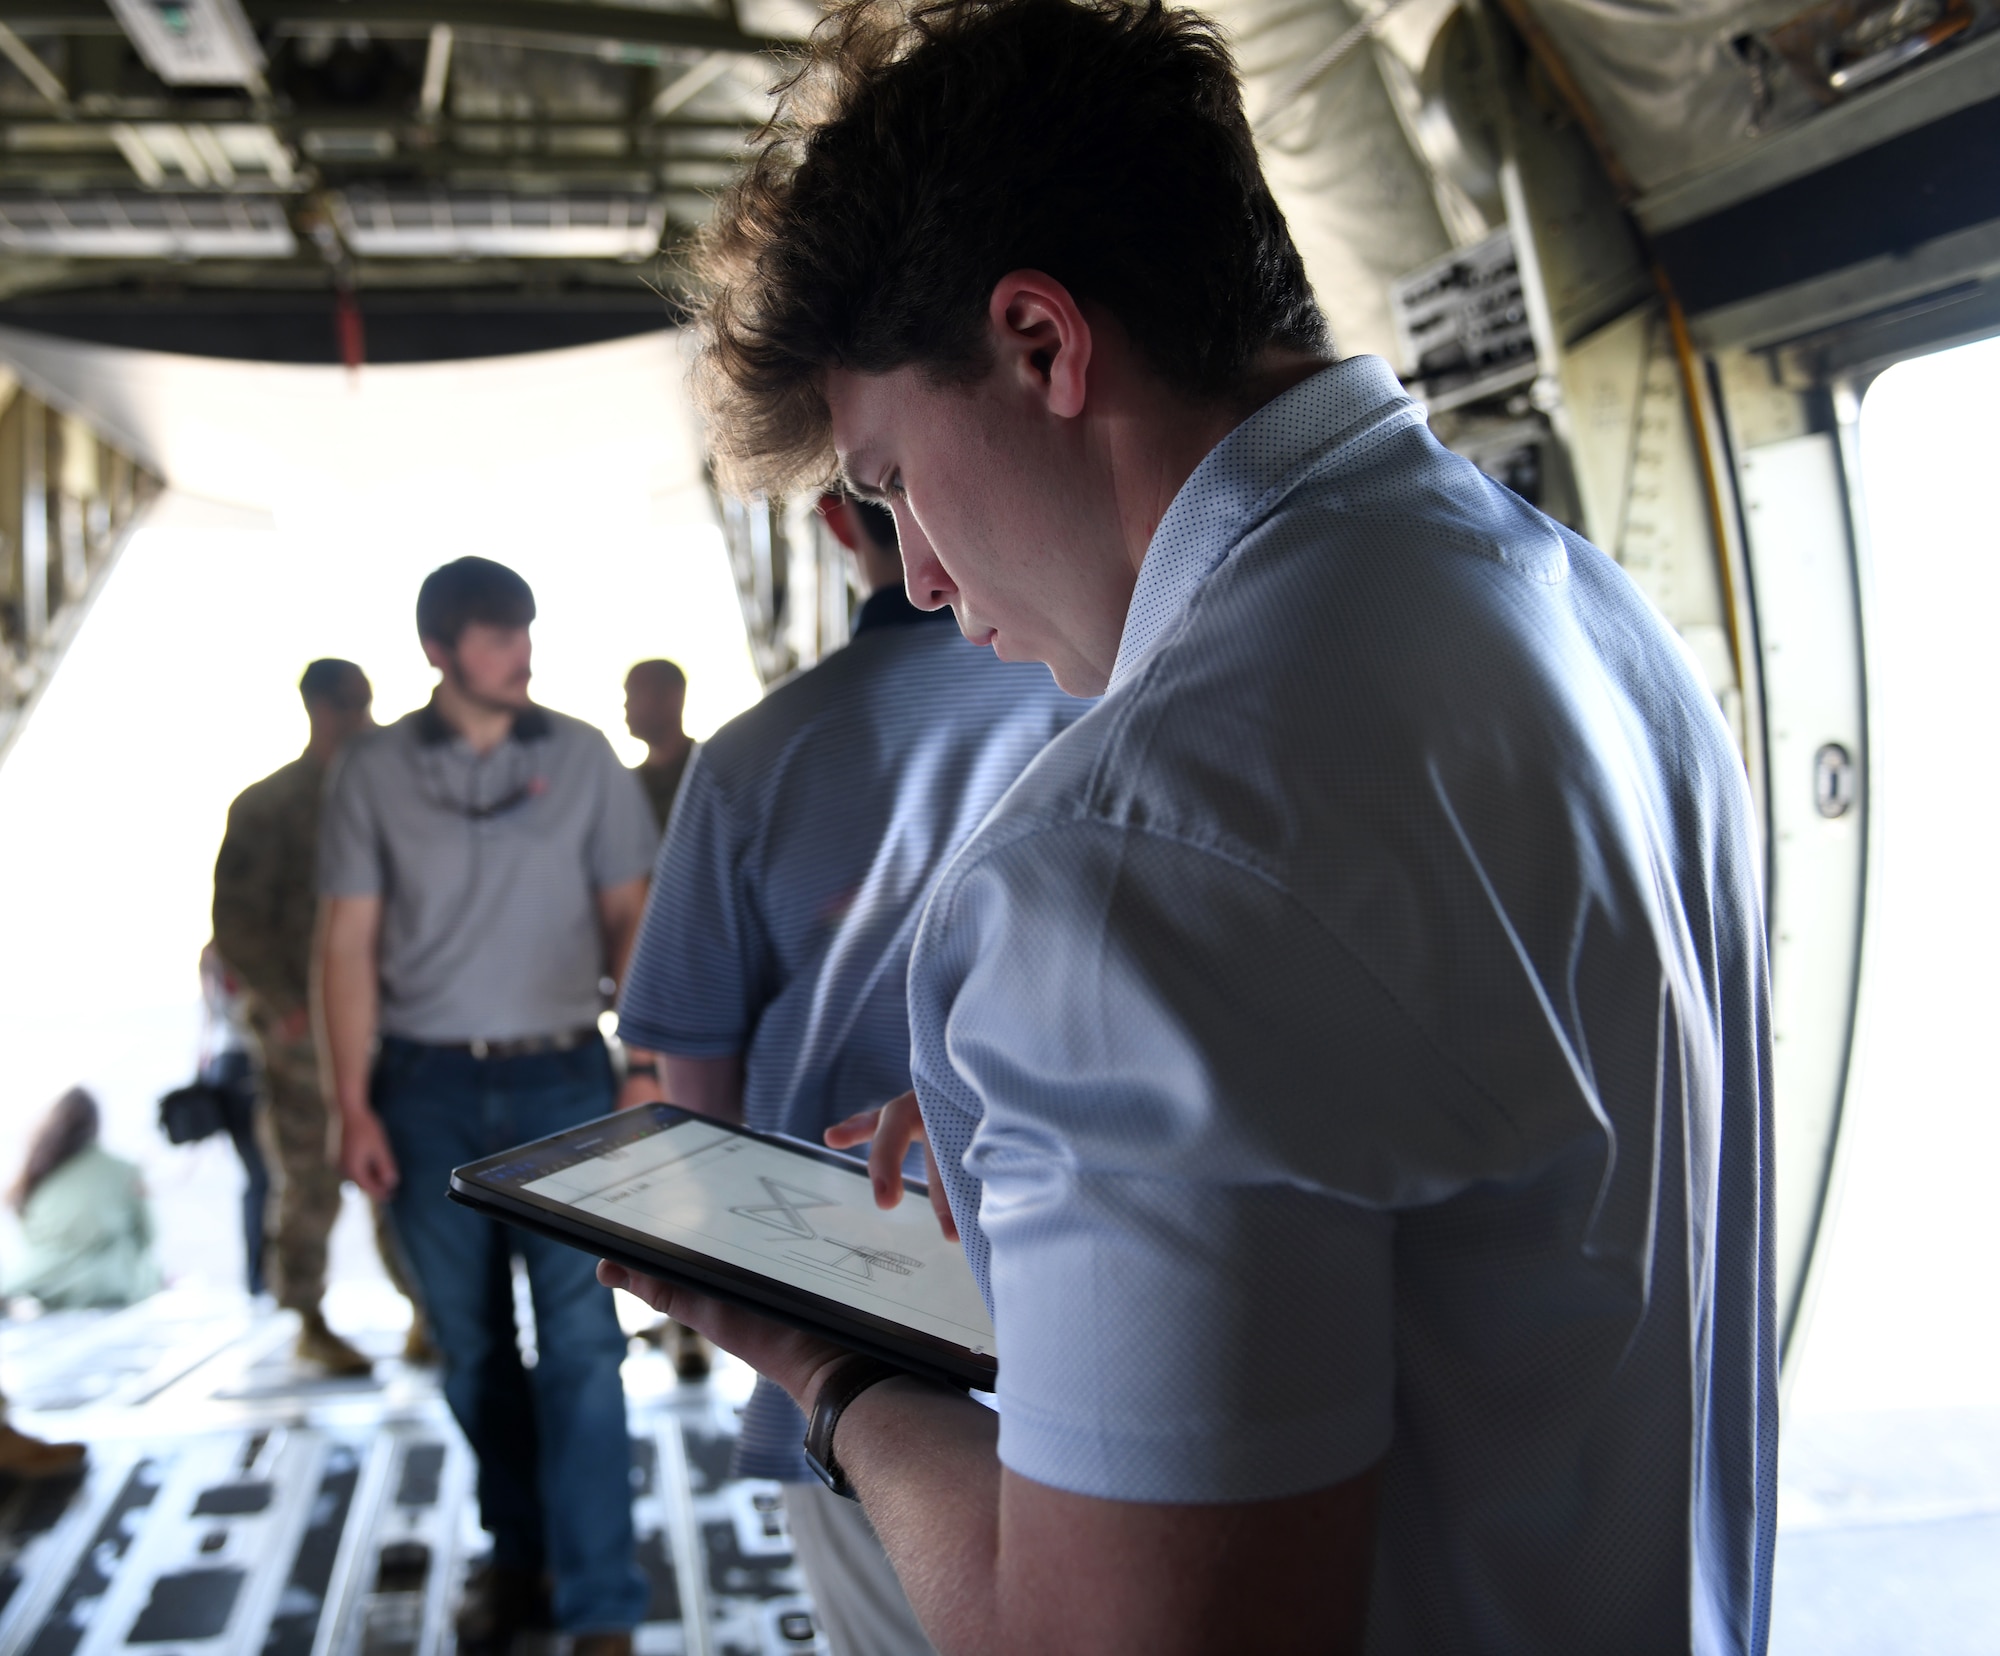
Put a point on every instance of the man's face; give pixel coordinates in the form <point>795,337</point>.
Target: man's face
<point>489,664</point>
<point>351,709</point>
<point>1001,511</point>
<point>653,706</point>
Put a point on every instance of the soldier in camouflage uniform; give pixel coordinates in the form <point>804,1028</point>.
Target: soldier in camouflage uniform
<point>265,904</point>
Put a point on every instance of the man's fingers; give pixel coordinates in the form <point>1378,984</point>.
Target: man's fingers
<point>940,1205</point>
<point>659,1295</point>
<point>365,1157</point>
<point>902,1124</point>
<point>387,1175</point>
<point>787,1356</point>
<point>885,1168</point>
<point>858,1128</point>
<point>889,1132</point>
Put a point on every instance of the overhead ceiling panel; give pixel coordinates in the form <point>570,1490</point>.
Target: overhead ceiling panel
<point>1679,87</point>
<point>380,224</point>
<point>131,225</point>
<point>1360,202</point>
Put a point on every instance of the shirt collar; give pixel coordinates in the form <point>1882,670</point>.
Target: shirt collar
<point>890,606</point>
<point>1311,427</point>
<point>531,724</point>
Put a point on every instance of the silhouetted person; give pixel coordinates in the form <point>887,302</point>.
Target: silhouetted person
<point>655,698</point>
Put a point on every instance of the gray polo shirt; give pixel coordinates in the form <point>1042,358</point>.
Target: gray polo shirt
<point>488,867</point>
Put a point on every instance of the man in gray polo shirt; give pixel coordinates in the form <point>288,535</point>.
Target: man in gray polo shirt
<point>483,867</point>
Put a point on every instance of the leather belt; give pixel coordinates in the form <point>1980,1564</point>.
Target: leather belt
<point>523,1046</point>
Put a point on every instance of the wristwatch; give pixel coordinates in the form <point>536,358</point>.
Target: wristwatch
<point>850,1378</point>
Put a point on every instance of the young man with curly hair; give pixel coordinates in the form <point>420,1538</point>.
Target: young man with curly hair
<point>1345,1051</point>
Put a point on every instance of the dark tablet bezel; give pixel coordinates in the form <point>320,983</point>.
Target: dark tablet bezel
<point>475,1186</point>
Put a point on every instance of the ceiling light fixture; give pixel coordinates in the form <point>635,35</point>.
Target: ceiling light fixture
<point>194,42</point>
<point>382,225</point>
<point>130,225</point>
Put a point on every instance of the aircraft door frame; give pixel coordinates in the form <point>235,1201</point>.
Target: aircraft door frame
<point>1805,553</point>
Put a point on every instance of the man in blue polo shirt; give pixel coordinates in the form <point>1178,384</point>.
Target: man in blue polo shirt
<point>1346,1049</point>
<point>768,982</point>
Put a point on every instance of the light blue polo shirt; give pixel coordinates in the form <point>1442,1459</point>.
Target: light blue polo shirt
<point>805,837</point>
<point>1349,1044</point>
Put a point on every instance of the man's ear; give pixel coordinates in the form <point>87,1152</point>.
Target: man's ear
<point>438,655</point>
<point>833,509</point>
<point>1037,325</point>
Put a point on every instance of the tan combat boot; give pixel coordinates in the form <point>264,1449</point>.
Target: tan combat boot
<point>419,1349</point>
<point>32,1459</point>
<point>319,1344</point>
<point>690,1353</point>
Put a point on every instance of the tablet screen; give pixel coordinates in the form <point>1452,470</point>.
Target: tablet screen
<point>783,1214</point>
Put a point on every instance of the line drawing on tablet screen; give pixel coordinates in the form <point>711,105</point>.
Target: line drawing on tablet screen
<point>786,1210</point>
<point>860,1260</point>
<point>761,1207</point>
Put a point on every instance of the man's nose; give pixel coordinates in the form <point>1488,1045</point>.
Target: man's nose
<point>924,578</point>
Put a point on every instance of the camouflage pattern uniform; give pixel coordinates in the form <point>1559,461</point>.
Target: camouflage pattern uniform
<point>265,903</point>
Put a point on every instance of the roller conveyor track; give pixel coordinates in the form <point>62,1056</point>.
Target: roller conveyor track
<point>235,1505</point>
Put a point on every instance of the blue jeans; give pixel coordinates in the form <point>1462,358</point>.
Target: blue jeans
<point>555,1458</point>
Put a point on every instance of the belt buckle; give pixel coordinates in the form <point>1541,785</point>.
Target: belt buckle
<point>478,1048</point>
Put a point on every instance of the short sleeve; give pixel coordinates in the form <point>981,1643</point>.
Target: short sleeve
<point>697,972</point>
<point>625,837</point>
<point>350,837</point>
<point>1175,1119</point>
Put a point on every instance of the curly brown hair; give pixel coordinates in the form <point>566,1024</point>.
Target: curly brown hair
<point>920,153</point>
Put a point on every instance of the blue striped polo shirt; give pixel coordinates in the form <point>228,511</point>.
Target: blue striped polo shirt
<point>803,844</point>
<point>1349,1046</point>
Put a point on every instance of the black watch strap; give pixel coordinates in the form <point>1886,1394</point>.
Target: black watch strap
<point>850,1378</point>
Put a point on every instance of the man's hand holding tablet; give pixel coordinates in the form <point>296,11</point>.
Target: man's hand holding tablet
<point>786,1254</point>
<point>795,1360</point>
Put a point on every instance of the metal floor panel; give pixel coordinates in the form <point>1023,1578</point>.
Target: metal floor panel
<point>237,1504</point>
<point>44,1528</point>
<point>74,1360</point>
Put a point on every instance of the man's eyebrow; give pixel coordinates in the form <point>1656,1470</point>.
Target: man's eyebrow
<point>852,485</point>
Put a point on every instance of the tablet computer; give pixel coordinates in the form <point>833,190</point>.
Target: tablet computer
<point>773,1224</point>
